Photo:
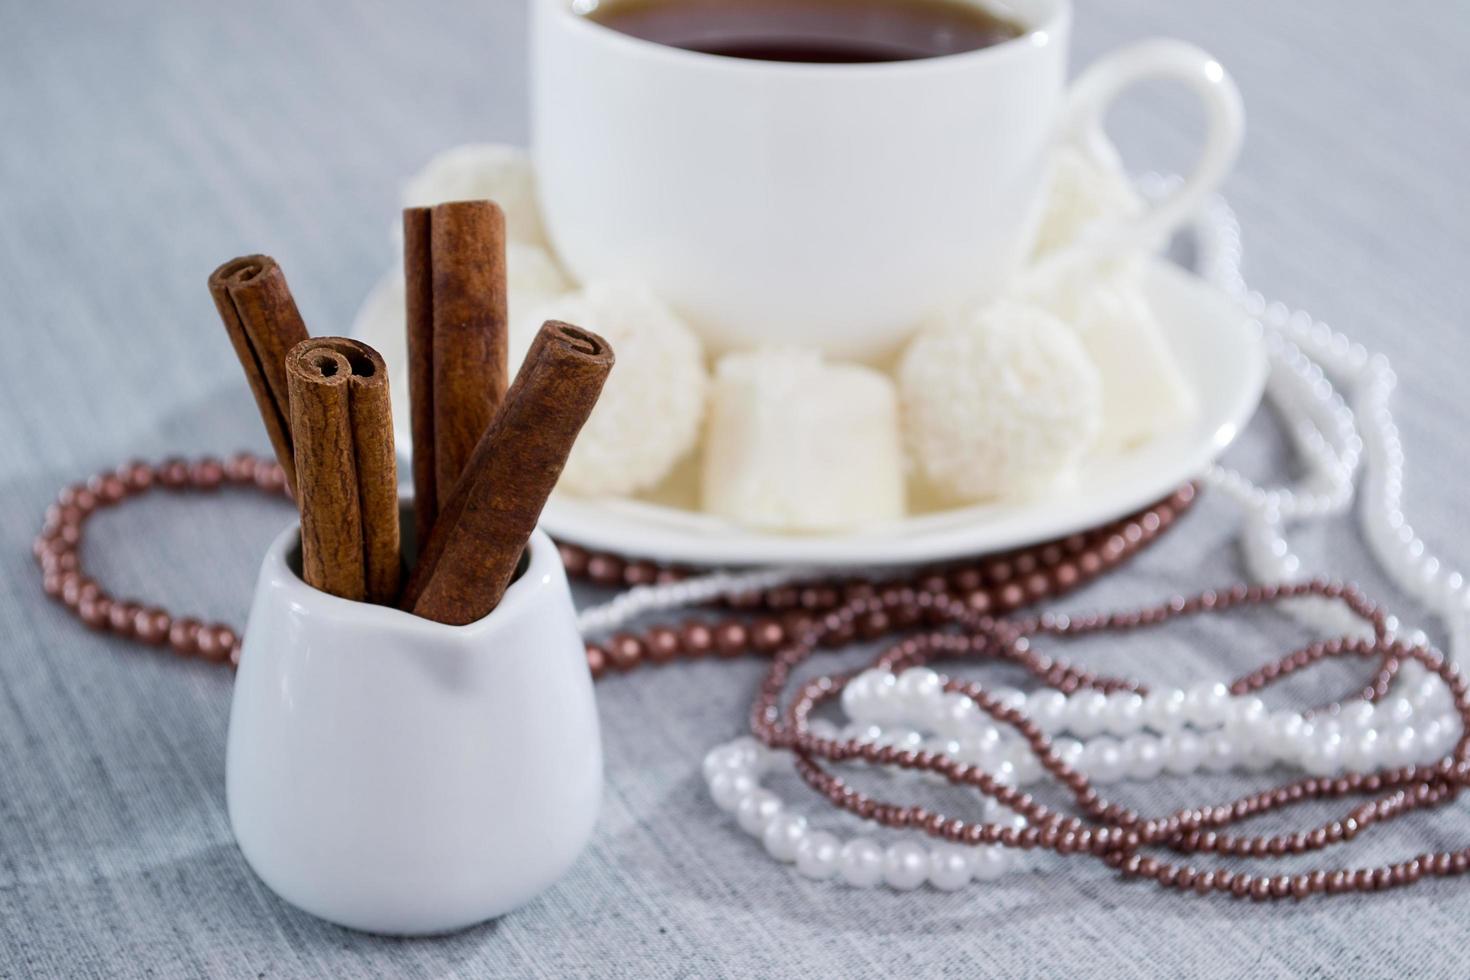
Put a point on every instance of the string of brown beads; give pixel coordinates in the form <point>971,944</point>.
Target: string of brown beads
<point>1108,831</point>
<point>57,550</point>
<point>762,622</point>
<point>767,620</point>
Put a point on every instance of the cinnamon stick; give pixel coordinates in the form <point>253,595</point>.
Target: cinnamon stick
<point>472,552</point>
<point>342,428</point>
<point>261,318</point>
<point>454,267</point>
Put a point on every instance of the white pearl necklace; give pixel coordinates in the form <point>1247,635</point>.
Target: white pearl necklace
<point>1324,427</point>
<point>1202,729</point>
<point>733,772</point>
<point>641,600</point>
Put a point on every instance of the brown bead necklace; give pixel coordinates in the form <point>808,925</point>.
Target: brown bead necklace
<point>761,622</point>
<point>1111,832</point>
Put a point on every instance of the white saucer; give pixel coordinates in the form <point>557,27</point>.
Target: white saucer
<point>1218,347</point>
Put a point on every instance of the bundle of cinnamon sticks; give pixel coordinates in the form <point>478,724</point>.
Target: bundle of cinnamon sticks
<point>485,456</point>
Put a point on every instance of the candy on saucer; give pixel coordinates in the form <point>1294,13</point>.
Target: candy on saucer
<point>999,402</point>
<point>1083,192</point>
<point>483,171</point>
<point>1144,392</point>
<point>795,443</point>
<point>533,278</point>
<point>652,406</point>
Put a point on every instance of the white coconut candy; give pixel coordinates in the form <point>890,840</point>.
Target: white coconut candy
<point>797,444</point>
<point>652,406</point>
<point>999,402</point>
<point>533,278</point>
<point>483,171</point>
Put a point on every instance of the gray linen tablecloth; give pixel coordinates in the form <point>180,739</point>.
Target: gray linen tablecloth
<point>142,143</point>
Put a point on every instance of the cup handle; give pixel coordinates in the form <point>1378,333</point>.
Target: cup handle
<point>1095,90</point>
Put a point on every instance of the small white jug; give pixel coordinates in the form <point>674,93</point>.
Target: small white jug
<point>396,775</point>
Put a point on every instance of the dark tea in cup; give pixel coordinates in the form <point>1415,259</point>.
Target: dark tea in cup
<point>816,31</point>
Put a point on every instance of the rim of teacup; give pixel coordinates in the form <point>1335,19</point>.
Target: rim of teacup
<point>1042,29</point>
<point>541,567</point>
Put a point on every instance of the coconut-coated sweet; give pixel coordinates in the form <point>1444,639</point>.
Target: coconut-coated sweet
<point>795,443</point>
<point>533,278</point>
<point>652,406</point>
<point>1000,401</point>
<point>483,171</point>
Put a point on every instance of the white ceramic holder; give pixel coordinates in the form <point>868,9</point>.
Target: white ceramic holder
<point>396,775</point>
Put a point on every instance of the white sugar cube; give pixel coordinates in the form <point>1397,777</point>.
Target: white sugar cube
<point>797,444</point>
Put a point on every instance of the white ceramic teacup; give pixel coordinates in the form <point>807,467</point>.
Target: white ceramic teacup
<point>827,205</point>
<point>400,776</point>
